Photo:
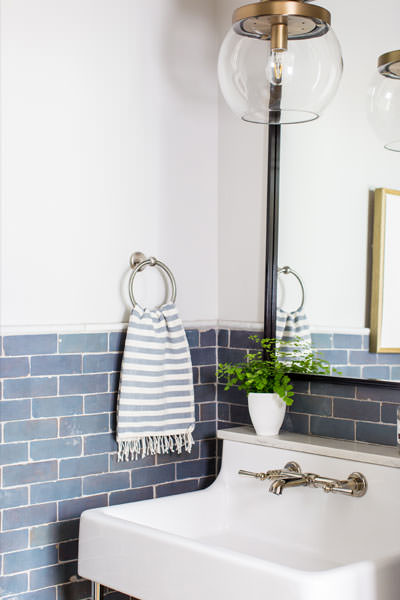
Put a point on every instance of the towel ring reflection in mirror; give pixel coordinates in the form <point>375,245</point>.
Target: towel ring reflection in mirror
<point>288,271</point>
<point>139,262</point>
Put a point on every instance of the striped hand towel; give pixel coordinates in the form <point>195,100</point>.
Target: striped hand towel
<point>292,325</point>
<point>156,398</point>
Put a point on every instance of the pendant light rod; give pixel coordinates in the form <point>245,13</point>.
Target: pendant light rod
<point>279,37</point>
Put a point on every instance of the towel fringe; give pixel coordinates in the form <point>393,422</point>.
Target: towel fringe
<point>155,444</point>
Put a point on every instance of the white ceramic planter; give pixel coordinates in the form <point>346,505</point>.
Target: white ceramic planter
<point>267,412</point>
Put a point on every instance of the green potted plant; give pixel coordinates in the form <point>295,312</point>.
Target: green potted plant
<point>265,377</point>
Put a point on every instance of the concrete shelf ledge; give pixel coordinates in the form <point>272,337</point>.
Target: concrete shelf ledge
<point>388,456</point>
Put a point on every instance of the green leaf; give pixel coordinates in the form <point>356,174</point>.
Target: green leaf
<point>272,373</point>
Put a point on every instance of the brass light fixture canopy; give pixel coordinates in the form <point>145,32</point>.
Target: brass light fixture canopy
<point>303,21</point>
<point>389,64</point>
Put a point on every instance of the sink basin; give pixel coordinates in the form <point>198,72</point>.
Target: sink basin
<point>236,540</point>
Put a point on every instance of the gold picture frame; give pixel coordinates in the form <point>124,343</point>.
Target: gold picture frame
<point>378,270</point>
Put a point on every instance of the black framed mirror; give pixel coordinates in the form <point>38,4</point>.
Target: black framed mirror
<point>272,266</point>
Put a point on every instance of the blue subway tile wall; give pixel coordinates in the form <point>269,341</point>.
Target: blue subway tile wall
<point>58,453</point>
<point>349,354</point>
<point>336,410</point>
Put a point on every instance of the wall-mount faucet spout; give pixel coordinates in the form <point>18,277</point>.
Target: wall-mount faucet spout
<point>279,485</point>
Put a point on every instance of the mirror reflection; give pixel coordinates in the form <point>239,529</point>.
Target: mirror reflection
<point>330,171</point>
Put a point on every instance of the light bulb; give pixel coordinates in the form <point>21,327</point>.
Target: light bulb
<point>279,45</point>
<point>276,66</point>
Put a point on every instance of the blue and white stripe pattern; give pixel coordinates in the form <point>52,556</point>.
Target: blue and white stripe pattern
<point>156,396</point>
<point>291,326</point>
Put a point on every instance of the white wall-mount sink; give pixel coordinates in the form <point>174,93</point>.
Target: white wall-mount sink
<point>236,540</point>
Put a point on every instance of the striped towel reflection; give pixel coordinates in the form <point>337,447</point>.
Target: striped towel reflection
<point>156,398</point>
<point>291,326</point>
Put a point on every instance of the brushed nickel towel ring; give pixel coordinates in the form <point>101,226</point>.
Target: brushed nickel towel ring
<point>288,271</point>
<point>139,262</point>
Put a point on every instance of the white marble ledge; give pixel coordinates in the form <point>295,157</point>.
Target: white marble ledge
<point>387,456</point>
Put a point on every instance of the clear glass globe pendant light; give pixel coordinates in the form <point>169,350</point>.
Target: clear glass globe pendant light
<point>280,62</point>
<point>384,104</point>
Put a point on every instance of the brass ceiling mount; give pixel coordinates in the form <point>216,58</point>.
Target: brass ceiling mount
<point>303,20</point>
<point>389,64</point>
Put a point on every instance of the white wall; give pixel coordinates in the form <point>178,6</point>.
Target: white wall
<point>328,169</point>
<point>114,139</point>
<point>108,145</point>
<point>242,152</point>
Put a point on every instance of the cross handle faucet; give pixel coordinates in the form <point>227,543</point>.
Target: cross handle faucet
<point>292,476</point>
